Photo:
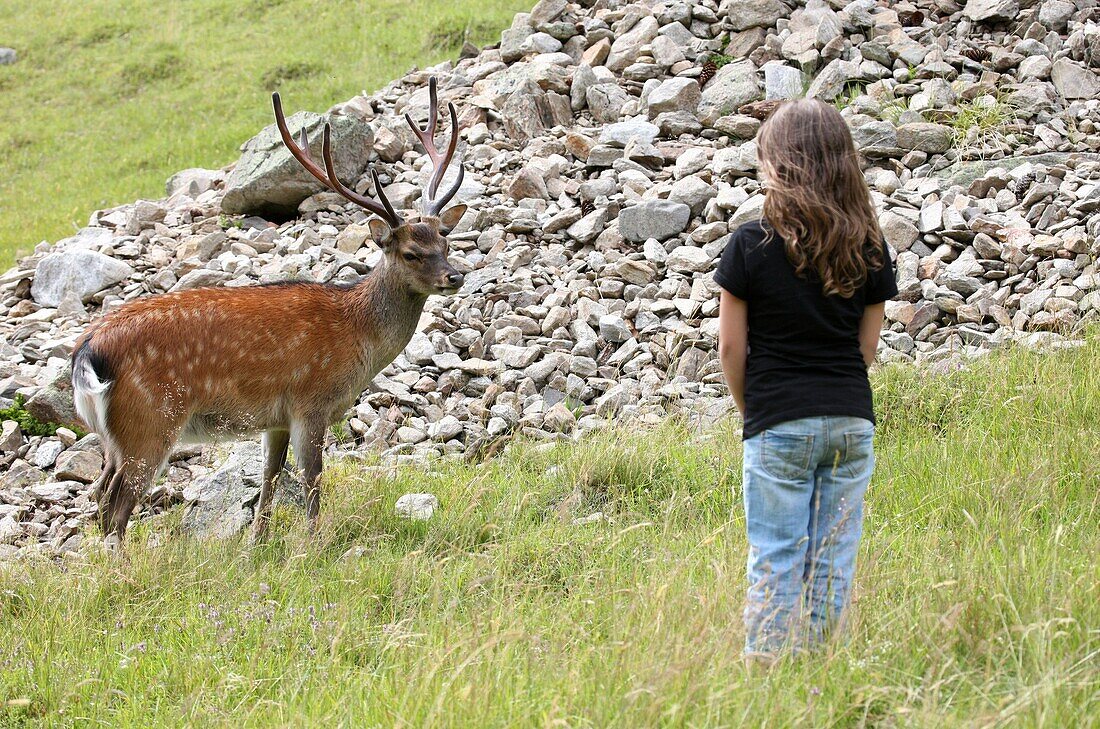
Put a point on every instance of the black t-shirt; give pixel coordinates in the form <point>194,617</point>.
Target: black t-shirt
<point>804,358</point>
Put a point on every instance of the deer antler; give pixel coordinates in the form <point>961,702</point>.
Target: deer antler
<point>327,176</point>
<point>432,205</point>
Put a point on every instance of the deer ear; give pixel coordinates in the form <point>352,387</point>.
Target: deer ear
<point>381,232</point>
<point>449,218</point>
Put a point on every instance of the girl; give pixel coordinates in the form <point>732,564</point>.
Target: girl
<point>800,314</point>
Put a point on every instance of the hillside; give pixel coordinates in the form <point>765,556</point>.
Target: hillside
<point>107,100</point>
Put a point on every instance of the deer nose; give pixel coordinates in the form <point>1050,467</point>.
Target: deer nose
<point>455,279</point>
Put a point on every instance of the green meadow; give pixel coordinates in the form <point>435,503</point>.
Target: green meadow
<point>108,99</point>
<point>977,602</point>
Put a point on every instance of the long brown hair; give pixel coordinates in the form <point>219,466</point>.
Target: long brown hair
<point>816,199</point>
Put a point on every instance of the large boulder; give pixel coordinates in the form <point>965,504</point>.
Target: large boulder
<point>83,273</point>
<point>992,10</point>
<point>660,219</point>
<point>735,85</point>
<point>224,501</point>
<point>1074,81</point>
<point>268,181</point>
<point>745,14</point>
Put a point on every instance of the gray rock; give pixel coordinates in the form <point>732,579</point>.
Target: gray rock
<point>606,101</point>
<point>831,80</point>
<point>735,85</point>
<point>192,182</point>
<point>79,272</point>
<point>528,183</point>
<point>628,46</point>
<point>78,465</point>
<point>898,232</point>
<point>511,39</point>
<point>224,500</point>
<point>559,418</point>
<point>658,219</point>
<point>1055,14</point>
<point>1074,81</point>
<point>446,428</point>
<point>20,474</point>
<point>811,28</point>
<point>620,133</point>
<point>782,81</point>
<point>749,211</point>
<point>8,56</point>
<point>614,329</point>
<point>54,492</point>
<point>199,278</point>
<point>926,137</point>
<point>11,437</point>
<point>745,14</point>
<point>589,227</point>
<point>674,94</point>
<point>540,43</point>
<point>693,192</point>
<point>547,11</point>
<point>530,112</point>
<point>875,135</point>
<point>737,161</point>
<point>689,259</point>
<point>54,402</point>
<point>267,180</point>
<point>992,10</point>
<point>47,453</point>
<point>419,349</point>
<point>10,531</point>
<point>418,507</point>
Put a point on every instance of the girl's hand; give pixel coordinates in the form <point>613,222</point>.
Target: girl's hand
<point>870,328</point>
<point>733,344</point>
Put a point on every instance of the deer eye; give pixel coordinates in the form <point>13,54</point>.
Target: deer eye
<point>410,257</point>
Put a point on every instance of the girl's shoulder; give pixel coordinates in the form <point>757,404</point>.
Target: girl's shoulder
<point>751,238</point>
<point>752,230</point>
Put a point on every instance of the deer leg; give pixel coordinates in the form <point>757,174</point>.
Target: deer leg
<point>131,481</point>
<point>105,476</point>
<point>108,495</point>
<point>275,445</point>
<point>309,438</point>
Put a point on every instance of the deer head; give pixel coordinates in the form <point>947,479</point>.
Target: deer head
<point>418,247</point>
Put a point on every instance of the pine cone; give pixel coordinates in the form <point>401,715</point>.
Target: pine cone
<point>1022,185</point>
<point>978,55</point>
<point>709,69</point>
<point>587,207</point>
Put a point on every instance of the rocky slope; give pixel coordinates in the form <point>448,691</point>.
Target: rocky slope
<point>609,153</point>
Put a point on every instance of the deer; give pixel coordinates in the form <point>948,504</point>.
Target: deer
<point>285,360</point>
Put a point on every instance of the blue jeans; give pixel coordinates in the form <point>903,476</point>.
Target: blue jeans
<point>804,482</point>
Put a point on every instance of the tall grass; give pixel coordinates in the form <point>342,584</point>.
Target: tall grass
<point>977,600</point>
<point>109,99</point>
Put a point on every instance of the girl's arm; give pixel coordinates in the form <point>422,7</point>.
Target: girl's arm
<point>869,330</point>
<point>733,344</point>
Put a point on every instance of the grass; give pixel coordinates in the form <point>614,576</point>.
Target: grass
<point>109,99</point>
<point>977,599</point>
<point>983,122</point>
